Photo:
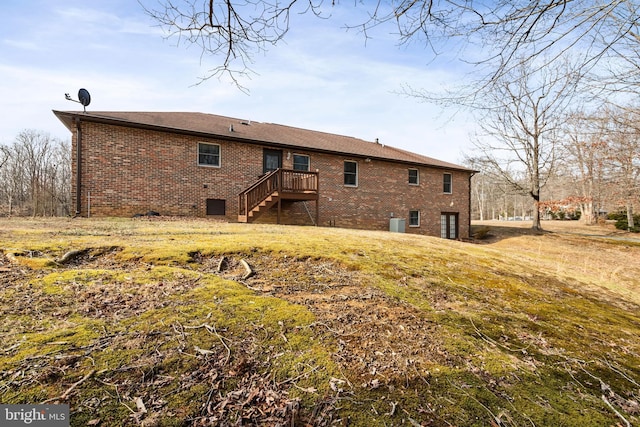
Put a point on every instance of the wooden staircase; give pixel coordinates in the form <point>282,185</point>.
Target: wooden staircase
<point>272,188</point>
<point>263,206</point>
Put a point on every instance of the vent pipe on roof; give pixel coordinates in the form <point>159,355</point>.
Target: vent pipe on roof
<point>231,127</point>
<point>377,141</point>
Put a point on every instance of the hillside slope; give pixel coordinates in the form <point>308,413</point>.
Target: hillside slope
<point>158,322</point>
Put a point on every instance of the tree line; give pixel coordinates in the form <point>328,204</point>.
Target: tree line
<point>595,173</point>
<point>35,171</point>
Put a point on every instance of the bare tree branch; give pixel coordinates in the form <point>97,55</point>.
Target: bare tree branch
<point>508,32</point>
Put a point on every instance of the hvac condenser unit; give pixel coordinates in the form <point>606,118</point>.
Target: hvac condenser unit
<point>396,225</point>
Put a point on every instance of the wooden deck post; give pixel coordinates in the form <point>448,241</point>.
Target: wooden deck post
<point>279,209</point>
<point>279,186</point>
<point>318,197</point>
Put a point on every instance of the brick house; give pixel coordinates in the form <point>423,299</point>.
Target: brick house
<point>194,164</point>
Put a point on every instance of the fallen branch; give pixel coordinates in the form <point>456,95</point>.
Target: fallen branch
<point>71,255</point>
<point>627,423</point>
<point>493,342</point>
<point>11,256</point>
<point>411,420</point>
<point>212,330</point>
<point>293,380</point>
<point>221,264</point>
<point>13,347</point>
<point>393,409</point>
<point>248,269</point>
<point>65,395</point>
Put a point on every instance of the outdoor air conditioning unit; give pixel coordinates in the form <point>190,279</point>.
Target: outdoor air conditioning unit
<point>396,225</point>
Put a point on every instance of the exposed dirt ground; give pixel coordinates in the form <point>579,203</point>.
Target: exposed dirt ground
<point>376,333</point>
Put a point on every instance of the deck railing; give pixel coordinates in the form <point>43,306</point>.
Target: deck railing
<point>281,181</point>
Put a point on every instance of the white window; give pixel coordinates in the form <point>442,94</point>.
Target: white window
<point>414,177</point>
<point>414,218</point>
<point>208,154</point>
<point>350,173</point>
<point>447,183</point>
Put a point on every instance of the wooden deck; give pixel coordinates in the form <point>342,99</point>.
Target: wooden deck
<point>272,188</point>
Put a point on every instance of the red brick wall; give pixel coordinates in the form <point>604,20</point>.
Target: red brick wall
<point>128,171</point>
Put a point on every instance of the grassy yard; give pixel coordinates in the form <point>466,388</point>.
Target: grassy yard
<point>157,322</point>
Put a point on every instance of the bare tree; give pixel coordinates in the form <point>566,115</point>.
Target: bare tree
<point>14,189</point>
<point>60,178</point>
<point>36,175</point>
<point>519,119</point>
<point>488,197</point>
<point>585,151</point>
<point>624,152</point>
<point>4,155</point>
<point>32,149</point>
<point>621,68</point>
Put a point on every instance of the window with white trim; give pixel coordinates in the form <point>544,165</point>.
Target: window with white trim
<point>414,218</point>
<point>414,177</point>
<point>208,154</point>
<point>447,183</point>
<point>350,173</point>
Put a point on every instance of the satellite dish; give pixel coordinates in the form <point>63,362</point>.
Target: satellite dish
<point>84,97</point>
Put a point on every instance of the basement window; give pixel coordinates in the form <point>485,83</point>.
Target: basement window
<point>208,154</point>
<point>350,173</point>
<point>414,218</point>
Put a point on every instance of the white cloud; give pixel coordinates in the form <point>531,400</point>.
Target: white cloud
<point>20,44</point>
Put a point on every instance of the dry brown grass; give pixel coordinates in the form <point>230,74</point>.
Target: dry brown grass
<point>598,255</point>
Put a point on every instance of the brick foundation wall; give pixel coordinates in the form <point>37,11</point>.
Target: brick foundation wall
<point>128,171</point>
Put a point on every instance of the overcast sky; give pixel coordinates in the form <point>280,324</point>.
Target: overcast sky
<point>322,78</point>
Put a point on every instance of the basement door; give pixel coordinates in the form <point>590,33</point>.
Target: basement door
<point>449,225</point>
<point>271,160</point>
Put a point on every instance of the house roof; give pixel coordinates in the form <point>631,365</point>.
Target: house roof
<point>210,125</point>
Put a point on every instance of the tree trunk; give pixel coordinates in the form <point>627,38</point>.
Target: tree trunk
<point>587,213</point>
<point>630,223</point>
<point>536,224</point>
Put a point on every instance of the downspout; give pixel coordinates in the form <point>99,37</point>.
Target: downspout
<point>469,198</point>
<point>78,167</point>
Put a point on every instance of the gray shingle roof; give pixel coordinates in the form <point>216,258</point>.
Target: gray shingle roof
<point>254,132</point>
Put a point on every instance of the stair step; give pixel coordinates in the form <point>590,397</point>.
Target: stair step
<point>266,203</point>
